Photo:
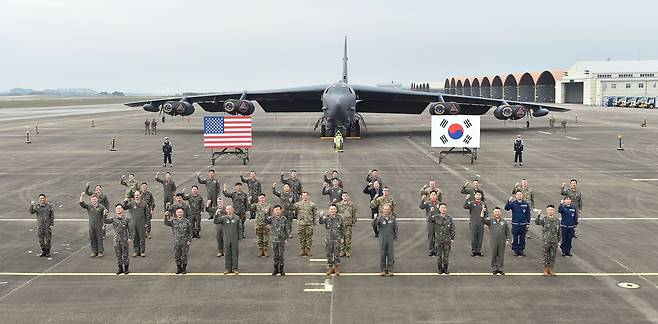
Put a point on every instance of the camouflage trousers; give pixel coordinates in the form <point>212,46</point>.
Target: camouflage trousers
<point>347,239</point>
<point>96,239</point>
<point>121,251</point>
<point>180,253</point>
<point>442,252</point>
<point>278,249</point>
<point>263,236</point>
<point>305,233</point>
<point>549,252</point>
<point>195,221</point>
<point>332,248</point>
<point>289,217</point>
<point>44,234</point>
<point>220,238</point>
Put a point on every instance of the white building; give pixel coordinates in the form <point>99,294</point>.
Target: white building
<point>589,82</point>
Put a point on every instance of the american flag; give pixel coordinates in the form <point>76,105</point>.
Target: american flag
<point>227,132</point>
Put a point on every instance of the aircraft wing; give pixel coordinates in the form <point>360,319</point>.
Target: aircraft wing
<point>301,99</point>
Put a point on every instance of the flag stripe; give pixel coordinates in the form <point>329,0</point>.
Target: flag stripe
<point>227,132</point>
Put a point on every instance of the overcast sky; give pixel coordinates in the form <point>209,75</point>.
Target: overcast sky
<point>161,46</point>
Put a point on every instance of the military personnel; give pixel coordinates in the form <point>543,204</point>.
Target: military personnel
<point>551,123</point>
<point>518,150</point>
<point>131,185</point>
<point>148,198</point>
<point>253,184</point>
<point>431,207</point>
<point>520,221</point>
<point>501,236</point>
<point>568,223</point>
<point>386,199</point>
<point>180,203</point>
<point>307,213</point>
<point>182,233</point>
<point>262,210</point>
<point>277,224</point>
<point>466,190</point>
<point>232,229</point>
<point>444,233</point>
<point>196,207</point>
<point>102,198</point>
<point>97,214</point>
<point>388,228</point>
<point>212,185</point>
<point>373,189</point>
<point>287,199</point>
<point>154,127</point>
<point>168,186</point>
<point>563,123</point>
<point>475,207</point>
<point>215,214</point>
<point>576,198</point>
<point>551,235</point>
<point>294,183</point>
<point>123,235</point>
<point>167,150</point>
<point>334,175</point>
<point>529,196</point>
<point>348,210</point>
<point>335,193</point>
<point>239,201</point>
<point>45,221</point>
<point>333,239</point>
<point>373,175</point>
<point>147,127</point>
<point>433,186</point>
<point>139,213</point>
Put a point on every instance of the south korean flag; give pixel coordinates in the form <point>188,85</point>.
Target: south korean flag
<point>456,131</point>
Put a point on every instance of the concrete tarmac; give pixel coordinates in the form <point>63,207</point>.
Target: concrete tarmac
<point>616,241</point>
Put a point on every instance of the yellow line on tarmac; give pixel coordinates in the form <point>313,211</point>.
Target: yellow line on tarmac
<point>316,274</point>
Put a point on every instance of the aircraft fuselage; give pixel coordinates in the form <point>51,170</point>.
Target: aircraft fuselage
<point>339,106</point>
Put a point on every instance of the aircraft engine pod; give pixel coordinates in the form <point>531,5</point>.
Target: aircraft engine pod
<point>518,112</point>
<point>150,107</point>
<point>503,112</point>
<point>184,108</point>
<point>168,107</point>
<point>230,107</point>
<point>540,112</point>
<point>437,108</point>
<point>245,107</point>
<point>453,108</point>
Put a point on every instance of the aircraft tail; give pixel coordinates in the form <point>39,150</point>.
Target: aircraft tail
<point>345,62</point>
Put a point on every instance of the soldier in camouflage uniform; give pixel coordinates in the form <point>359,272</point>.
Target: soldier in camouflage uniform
<point>294,183</point>
<point>253,185</point>
<point>139,213</point>
<point>215,214</point>
<point>430,203</point>
<point>196,204</point>
<point>239,202</point>
<point>287,199</point>
<point>180,203</point>
<point>307,213</point>
<point>551,235</point>
<point>262,210</point>
<point>277,224</point>
<point>123,235</point>
<point>433,186</point>
<point>501,235</point>
<point>148,198</point>
<point>334,192</point>
<point>475,207</point>
<point>212,186</point>
<point>373,189</point>
<point>334,226</point>
<point>576,198</point>
<point>529,196</point>
<point>102,198</point>
<point>444,233</point>
<point>348,210</point>
<point>466,190</point>
<point>168,187</point>
<point>232,229</point>
<point>334,175</point>
<point>182,233</point>
<point>97,214</point>
<point>131,185</point>
<point>373,175</point>
<point>45,222</point>
<point>388,228</point>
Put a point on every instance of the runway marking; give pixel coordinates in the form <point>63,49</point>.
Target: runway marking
<point>573,138</point>
<point>317,260</point>
<point>327,286</point>
<point>543,132</point>
<point>644,179</point>
<point>322,274</point>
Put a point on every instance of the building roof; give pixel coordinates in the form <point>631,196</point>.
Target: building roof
<point>616,66</point>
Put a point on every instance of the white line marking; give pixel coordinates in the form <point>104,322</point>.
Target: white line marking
<point>644,179</point>
<point>317,260</point>
<point>573,138</point>
<point>322,274</point>
<point>543,132</point>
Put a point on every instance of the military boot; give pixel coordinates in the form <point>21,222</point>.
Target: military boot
<point>43,253</point>
<point>125,269</point>
<point>445,269</point>
<point>302,252</point>
<point>550,271</point>
<point>546,273</point>
<point>337,269</point>
<point>308,252</point>
<point>265,253</point>
<point>260,252</point>
<point>184,269</point>
<point>281,272</point>
<point>48,253</point>
<point>120,271</point>
<point>330,270</point>
<point>179,269</point>
<point>275,270</point>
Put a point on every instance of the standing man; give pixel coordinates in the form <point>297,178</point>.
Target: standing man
<point>253,184</point>
<point>215,214</point>
<point>307,213</point>
<point>139,213</point>
<point>431,207</point>
<point>154,125</point>
<point>212,186</point>
<point>148,198</point>
<point>568,223</point>
<point>471,191</point>
<point>379,202</point>
<point>334,226</point>
<point>131,185</point>
<point>551,235</point>
<point>444,229</point>
<point>348,210</point>
<point>180,203</point>
<point>529,196</point>
<point>576,198</point>
<point>388,227</point>
<point>433,186</point>
<point>45,221</point>
<point>520,220</point>
<point>476,225</point>
<point>97,214</point>
<point>551,123</point>
<point>182,233</point>
<point>277,224</point>
<point>123,235</point>
<point>168,188</point>
<point>335,193</point>
<point>287,201</point>
<point>197,205</point>
<point>518,150</point>
<point>501,236</point>
<point>102,198</point>
<point>262,210</point>
<point>294,183</point>
<point>239,201</point>
<point>334,175</point>
<point>563,123</point>
<point>167,149</point>
<point>373,175</point>
<point>232,228</point>
<point>373,189</point>
<point>147,127</point>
